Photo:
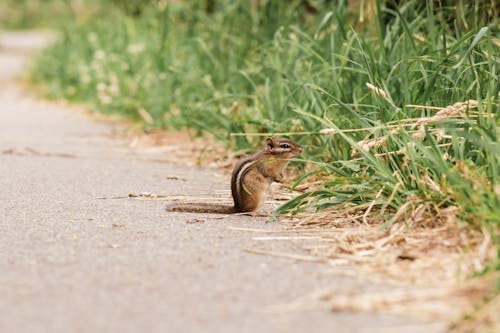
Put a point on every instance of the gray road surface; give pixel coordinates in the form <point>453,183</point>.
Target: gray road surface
<point>71,262</point>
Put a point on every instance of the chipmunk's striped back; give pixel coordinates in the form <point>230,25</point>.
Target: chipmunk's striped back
<point>253,175</point>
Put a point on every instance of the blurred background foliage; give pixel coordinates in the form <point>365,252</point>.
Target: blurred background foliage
<point>29,14</point>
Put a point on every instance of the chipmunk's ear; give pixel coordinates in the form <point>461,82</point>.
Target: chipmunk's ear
<point>269,143</point>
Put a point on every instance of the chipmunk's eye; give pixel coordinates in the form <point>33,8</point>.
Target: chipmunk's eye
<point>285,145</point>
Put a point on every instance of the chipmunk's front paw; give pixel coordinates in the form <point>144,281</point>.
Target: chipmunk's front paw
<point>279,178</point>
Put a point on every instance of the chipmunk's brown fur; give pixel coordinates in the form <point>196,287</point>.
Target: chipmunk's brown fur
<point>250,179</point>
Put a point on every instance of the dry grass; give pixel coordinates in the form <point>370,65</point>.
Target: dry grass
<point>424,269</point>
<point>417,126</point>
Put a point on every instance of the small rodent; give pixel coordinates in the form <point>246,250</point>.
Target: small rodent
<point>250,179</point>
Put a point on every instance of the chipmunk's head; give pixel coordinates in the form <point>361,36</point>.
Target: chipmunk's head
<point>282,147</point>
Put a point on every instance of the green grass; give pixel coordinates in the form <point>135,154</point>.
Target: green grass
<point>277,68</point>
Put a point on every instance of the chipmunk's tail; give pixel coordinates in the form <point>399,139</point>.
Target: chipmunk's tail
<point>192,207</point>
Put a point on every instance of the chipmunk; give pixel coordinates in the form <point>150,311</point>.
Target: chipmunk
<point>250,179</point>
